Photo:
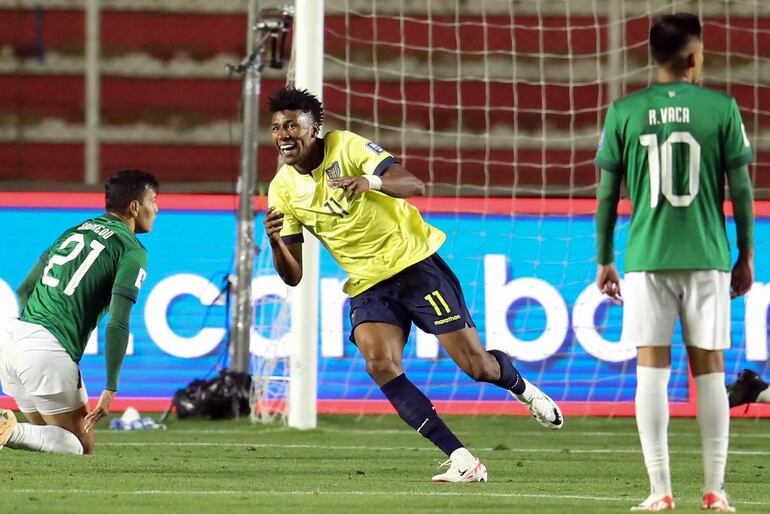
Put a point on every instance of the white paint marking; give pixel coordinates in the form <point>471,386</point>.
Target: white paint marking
<point>219,492</point>
<point>628,450</point>
<point>407,432</point>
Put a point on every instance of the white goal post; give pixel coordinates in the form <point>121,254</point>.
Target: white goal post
<point>303,335</point>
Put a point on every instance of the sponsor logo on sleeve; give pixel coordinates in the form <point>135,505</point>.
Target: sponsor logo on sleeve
<point>601,140</point>
<point>140,278</point>
<point>374,147</point>
<point>745,137</point>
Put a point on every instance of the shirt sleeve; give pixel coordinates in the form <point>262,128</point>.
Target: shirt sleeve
<point>743,206</point>
<point>292,228</point>
<point>607,196</point>
<point>609,156</point>
<point>132,270</point>
<point>737,150</point>
<point>116,339</point>
<point>367,156</point>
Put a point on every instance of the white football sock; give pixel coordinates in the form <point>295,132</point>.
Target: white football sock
<point>714,421</point>
<point>44,438</point>
<point>652,422</point>
<point>764,396</point>
<point>462,457</point>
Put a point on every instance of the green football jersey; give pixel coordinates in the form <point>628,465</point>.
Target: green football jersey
<point>675,142</point>
<point>83,269</point>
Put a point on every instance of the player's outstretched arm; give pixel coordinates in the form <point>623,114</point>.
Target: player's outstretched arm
<point>395,181</point>
<point>287,259</point>
<point>398,182</point>
<point>742,198</point>
<point>116,342</point>
<point>25,289</point>
<point>100,411</point>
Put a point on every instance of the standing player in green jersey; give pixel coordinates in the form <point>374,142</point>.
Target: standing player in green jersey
<point>349,193</point>
<point>95,266</point>
<point>676,144</point>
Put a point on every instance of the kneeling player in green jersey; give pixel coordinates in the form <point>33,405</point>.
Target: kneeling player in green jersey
<point>676,144</point>
<point>349,193</point>
<point>95,266</point>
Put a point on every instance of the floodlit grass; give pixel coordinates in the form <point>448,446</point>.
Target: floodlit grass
<point>374,464</point>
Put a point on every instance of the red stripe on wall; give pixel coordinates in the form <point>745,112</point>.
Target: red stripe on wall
<point>177,202</point>
<point>449,407</point>
<point>444,205</point>
<point>683,409</point>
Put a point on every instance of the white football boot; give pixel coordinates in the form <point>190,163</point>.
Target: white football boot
<point>656,502</point>
<point>463,467</point>
<point>7,425</point>
<point>540,405</point>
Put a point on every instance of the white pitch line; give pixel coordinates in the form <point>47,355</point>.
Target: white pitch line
<point>406,431</point>
<point>219,492</point>
<point>410,448</point>
<point>317,493</point>
<point>285,430</point>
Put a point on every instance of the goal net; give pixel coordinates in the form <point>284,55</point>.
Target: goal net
<point>497,106</point>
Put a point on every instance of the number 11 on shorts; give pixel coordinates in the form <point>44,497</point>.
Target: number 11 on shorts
<point>432,302</point>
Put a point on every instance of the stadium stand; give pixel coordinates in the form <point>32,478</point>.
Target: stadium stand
<point>168,105</point>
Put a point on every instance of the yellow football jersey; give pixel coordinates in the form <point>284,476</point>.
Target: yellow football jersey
<point>372,237</point>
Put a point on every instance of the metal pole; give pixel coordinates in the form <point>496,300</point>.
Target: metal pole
<point>92,93</point>
<point>615,47</point>
<point>240,332</point>
<point>303,388</point>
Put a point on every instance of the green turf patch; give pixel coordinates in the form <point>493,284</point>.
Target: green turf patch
<point>374,464</point>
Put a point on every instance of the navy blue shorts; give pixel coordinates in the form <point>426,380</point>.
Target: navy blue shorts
<point>427,293</point>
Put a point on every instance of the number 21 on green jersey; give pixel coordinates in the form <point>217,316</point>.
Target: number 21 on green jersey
<point>77,241</point>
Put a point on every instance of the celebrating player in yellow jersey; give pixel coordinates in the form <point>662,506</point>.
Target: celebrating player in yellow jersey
<point>348,192</point>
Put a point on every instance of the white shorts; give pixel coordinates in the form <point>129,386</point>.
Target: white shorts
<point>38,372</point>
<point>653,300</point>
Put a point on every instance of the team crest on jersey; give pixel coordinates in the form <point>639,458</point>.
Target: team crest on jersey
<point>374,147</point>
<point>333,171</point>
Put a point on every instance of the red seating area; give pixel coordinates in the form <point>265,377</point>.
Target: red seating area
<point>180,104</point>
<point>162,35</point>
<point>205,35</point>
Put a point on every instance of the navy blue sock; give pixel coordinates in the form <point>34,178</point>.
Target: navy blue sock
<point>510,378</point>
<point>416,409</point>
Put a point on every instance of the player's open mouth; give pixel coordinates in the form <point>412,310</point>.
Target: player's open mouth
<point>287,148</point>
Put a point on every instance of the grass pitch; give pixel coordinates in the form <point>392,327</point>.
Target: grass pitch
<point>374,464</point>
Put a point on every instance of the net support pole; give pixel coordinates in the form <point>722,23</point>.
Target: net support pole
<point>303,388</point>
<point>92,93</point>
<point>240,334</point>
<point>615,46</point>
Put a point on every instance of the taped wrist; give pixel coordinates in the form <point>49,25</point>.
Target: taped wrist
<point>375,182</point>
